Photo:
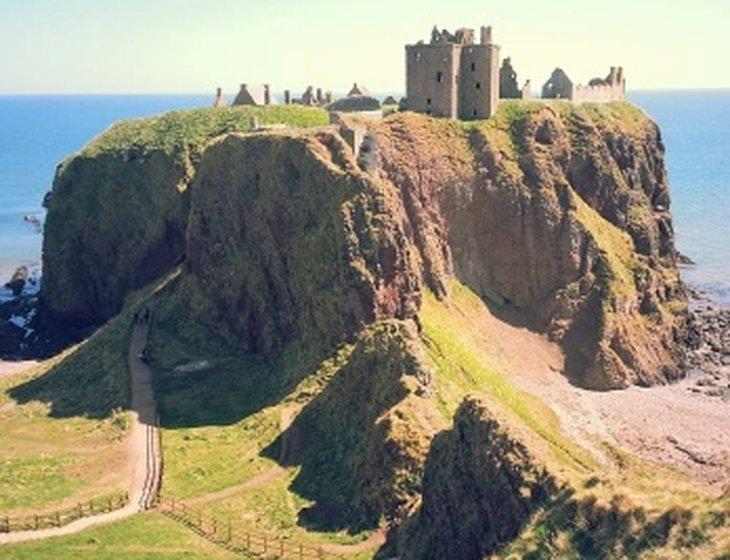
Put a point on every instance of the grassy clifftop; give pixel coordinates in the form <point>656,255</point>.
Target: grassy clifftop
<point>191,129</point>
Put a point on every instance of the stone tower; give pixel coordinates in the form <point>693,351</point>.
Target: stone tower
<point>452,76</point>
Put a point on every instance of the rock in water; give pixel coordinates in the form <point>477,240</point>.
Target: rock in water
<point>18,280</point>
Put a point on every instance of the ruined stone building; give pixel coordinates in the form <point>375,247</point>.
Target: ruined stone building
<point>598,90</point>
<point>509,88</point>
<point>259,94</point>
<point>453,76</point>
<point>358,90</point>
<point>310,97</point>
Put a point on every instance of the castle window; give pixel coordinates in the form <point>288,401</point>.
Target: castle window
<point>479,85</point>
<point>428,101</point>
<point>475,112</point>
<point>418,57</point>
<point>439,76</point>
<point>473,66</point>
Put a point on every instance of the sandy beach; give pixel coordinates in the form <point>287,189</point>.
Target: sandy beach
<point>10,368</point>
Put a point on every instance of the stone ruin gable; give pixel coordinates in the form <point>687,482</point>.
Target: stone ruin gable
<point>508,85</point>
<point>612,88</point>
<point>255,94</point>
<point>558,86</point>
<point>358,90</point>
<point>453,76</point>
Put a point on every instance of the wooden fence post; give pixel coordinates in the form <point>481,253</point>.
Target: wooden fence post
<point>248,542</point>
<point>58,519</point>
<point>266,548</point>
<point>301,551</point>
<point>320,552</point>
<point>80,509</point>
<point>36,522</point>
<point>281,548</point>
<point>215,526</point>
<point>229,530</point>
<point>7,524</point>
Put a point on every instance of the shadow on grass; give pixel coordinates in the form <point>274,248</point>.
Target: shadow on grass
<point>90,380</point>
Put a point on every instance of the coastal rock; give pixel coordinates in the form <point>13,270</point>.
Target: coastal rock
<point>18,280</point>
<point>114,224</point>
<point>708,360</point>
<point>118,210</point>
<point>556,217</point>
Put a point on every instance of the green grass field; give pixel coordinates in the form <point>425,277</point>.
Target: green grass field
<point>148,536</point>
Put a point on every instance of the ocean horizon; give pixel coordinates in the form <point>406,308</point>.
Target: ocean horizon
<point>37,132</point>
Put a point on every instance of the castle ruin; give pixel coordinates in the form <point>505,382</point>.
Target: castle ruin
<point>612,88</point>
<point>452,76</point>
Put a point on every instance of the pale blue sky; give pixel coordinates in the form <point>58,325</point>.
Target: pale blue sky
<point>191,46</point>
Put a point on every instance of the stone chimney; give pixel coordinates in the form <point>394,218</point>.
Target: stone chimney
<point>486,35</point>
<point>287,97</point>
<point>218,98</point>
<point>267,94</point>
<point>320,99</point>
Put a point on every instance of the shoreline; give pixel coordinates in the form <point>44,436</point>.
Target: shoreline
<point>10,368</point>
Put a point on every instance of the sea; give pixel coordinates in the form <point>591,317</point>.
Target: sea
<point>38,131</point>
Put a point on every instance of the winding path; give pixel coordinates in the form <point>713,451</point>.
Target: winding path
<point>144,452</point>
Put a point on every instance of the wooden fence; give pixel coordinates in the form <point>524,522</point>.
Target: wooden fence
<point>224,534</point>
<point>65,516</point>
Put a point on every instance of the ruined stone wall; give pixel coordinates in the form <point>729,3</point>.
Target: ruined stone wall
<point>599,94</point>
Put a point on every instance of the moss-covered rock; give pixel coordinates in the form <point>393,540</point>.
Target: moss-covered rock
<point>481,484</point>
<point>289,240</point>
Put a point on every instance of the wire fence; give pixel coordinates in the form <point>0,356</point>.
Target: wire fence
<point>228,536</point>
<point>65,516</point>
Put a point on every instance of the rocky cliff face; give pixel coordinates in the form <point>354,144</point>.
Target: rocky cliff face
<point>115,222</point>
<point>556,215</point>
<point>290,240</point>
<point>118,210</point>
<point>558,219</point>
